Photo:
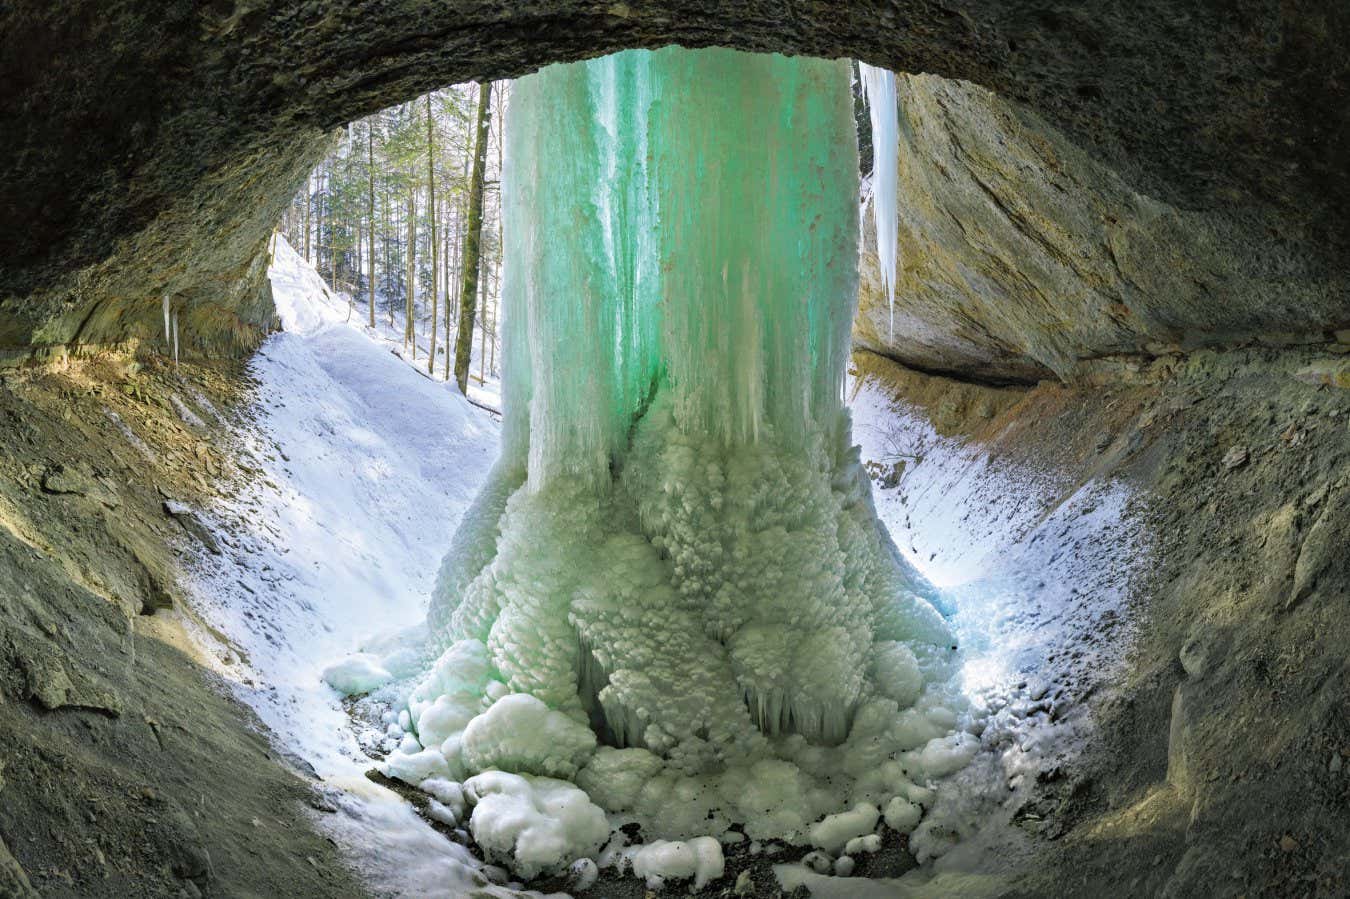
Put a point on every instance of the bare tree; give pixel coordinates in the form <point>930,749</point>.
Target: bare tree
<point>469,290</point>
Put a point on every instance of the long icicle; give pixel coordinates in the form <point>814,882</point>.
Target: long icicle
<point>879,88</point>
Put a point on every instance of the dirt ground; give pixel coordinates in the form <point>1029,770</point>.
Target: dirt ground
<point>127,769</point>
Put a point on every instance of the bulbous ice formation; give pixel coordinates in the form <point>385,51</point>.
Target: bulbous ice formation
<point>678,547</point>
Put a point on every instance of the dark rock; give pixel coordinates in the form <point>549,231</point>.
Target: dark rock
<point>14,882</point>
<point>150,146</point>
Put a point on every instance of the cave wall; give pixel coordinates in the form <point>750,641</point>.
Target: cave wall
<point>1023,257</point>
<point>1218,762</point>
<point>147,147</point>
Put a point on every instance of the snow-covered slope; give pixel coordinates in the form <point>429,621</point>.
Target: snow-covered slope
<point>361,469</point>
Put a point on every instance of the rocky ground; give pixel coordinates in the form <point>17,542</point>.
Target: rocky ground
<point>128,769</point>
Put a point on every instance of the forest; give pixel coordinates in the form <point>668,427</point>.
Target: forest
<point>403,217</point>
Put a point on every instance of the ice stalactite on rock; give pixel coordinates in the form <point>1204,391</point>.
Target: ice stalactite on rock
<point>677,554</point>
<point>879,87</point>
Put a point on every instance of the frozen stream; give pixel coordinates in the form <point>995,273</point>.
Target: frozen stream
<point>364,467</point>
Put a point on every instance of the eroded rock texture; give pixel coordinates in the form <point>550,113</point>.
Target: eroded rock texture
<point>1022,257</point>
<point>146,147</point>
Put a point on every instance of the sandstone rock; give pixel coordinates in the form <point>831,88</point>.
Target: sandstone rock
<point>149,148</point>
<point>13,880</point>
<point>1236,457</point>
<point>1023,257</point>
<point>69,479</point>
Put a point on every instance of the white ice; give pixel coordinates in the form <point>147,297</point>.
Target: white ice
<point>879,88</point>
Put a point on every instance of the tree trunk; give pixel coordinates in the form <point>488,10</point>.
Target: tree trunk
<point>435,248</point>
<point>410,303</point>
<point>308,200</point>
<point>469,290</point>
<point>370,211</point>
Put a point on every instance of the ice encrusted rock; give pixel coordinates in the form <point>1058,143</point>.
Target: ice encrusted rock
<point>902,815</point>
<point>536,825</point>
<point>614,778</point>
<point>416,766</point>
<point>833,832</point>
<point>666,860</point>
<point>356,674</point>
<point>519,733</point>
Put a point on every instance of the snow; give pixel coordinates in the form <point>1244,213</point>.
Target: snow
<point>1037,568</point>
<point>902,815</point>
<point>833,832</point>
<point>663,861</point>
<point>519,733</point>
<point>358,673</point>
<point>359,468</point>
<point>867,844</point>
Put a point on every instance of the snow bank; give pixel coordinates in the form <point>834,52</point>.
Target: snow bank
<point>358,673</point>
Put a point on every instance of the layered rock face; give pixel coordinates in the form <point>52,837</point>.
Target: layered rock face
<point>146,148</point>
<point>1022,257</point>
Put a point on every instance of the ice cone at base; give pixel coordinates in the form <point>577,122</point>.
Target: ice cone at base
<point>678,552</point>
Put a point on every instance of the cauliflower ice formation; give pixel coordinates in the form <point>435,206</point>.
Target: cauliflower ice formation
<point>664,861</point>
<point>537,825</point>
<point>520,733</point>
<point>674,589</point>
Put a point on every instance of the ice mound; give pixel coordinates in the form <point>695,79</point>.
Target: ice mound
<point>356,674</point>
<point>674,591</point>
<point>520,733</point>
<point>664,861</point>
<point>537,825</point>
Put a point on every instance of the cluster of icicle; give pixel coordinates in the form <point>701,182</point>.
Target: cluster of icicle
<point>677,553</point>
<point>879,88</point>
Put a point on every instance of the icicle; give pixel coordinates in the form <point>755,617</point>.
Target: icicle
<point>175,338</point>
<point>879,88</point>
<point>168,336</point>
<point>628,267</point>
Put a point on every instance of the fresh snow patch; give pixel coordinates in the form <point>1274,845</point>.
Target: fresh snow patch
<point>360,467</point>
<point>358,673</point>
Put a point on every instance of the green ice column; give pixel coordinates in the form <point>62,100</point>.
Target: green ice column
<point>678,544</point>
<point>682,219</point>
